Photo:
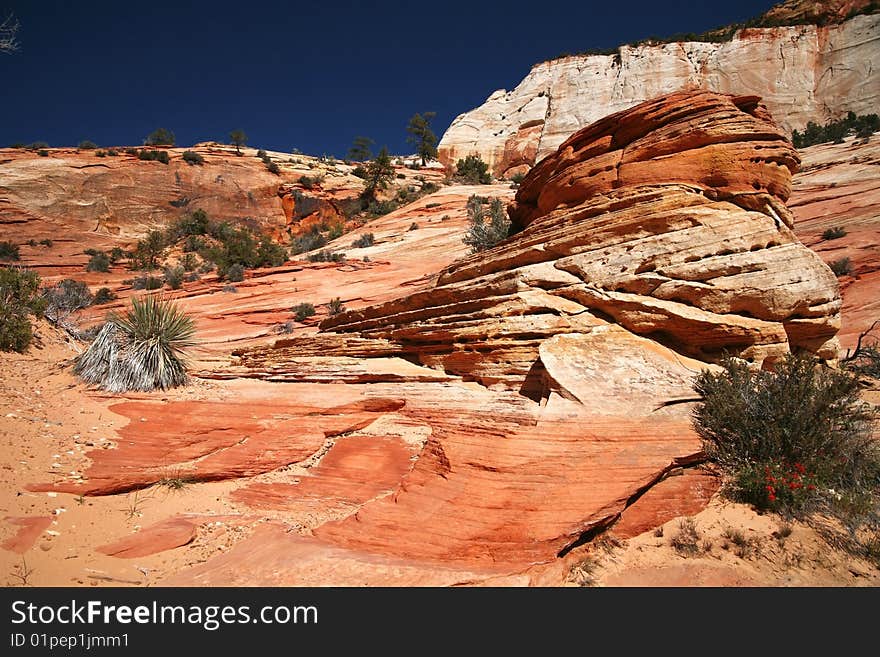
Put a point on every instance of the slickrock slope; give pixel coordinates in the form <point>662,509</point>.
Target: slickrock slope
<point>468,420</point>
<point>803,73</point>
<point>667,220</point>
<point>838,186</point>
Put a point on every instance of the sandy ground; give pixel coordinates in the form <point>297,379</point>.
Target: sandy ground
<point>48,420</point>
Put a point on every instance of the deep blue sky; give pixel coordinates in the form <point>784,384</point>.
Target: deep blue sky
<point>309,75</point>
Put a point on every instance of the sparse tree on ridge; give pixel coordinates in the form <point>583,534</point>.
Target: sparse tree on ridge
<point>360,149</point>
<point>422,137</point>
<point>238,139</point>
<point>160,137</point>
<point>9,34</point>
<point>379,173</point>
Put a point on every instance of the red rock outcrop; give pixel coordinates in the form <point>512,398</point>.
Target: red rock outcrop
<point>669,219</point>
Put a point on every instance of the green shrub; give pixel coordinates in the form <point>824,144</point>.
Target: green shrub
<point>43,153</point>
<point>790,440</point>
<point>235,273</point>
<point>834,233</point>
<point>193,244</point>
<point>112,152</point>
<point>160,137</point>
<point>273,168</point>
<point>835,131</point>
<point>87,145</point>
<point>174,277</point>
<point>360,172</point>
<point>309,182</point>
<point>144,349</point>
<point>191,224</point>
<point>146,283</point>
<point>189,262</point>
<point>335,306</point>
<point>148,250</point>
<point>380,208</point>
<point>326,256</point>
<point>99,261</point>
<point>117,253</point>
<point>104,295</point>
<point>66,297</point>
<point>191,157</point>
<point>270,254</point>
<point>37,145</point>
<point>303,311</point>
<point>841,267</point>
<point>8,251</point>
<point>362,242</point>
<point>19,299</point>
<point>686,541</point>
<point>473,170</point>
<point>483,234</point>
<point>159,156</point>
<point>308,242</point>
<point>100,153</point>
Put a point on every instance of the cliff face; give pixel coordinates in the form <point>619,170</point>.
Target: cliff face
<point>803,73</point>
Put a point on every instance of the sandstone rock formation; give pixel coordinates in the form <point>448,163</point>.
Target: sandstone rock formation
<point>803,73</point>
<point>837,187</point>
<point>668,219</point>
<point>550,421</point>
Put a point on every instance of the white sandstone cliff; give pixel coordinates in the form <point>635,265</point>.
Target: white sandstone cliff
<point>802,73</point>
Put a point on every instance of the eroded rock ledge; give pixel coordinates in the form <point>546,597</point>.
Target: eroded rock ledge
<point>668,219</point>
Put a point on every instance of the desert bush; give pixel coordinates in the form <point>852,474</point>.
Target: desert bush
<point>473,170</point>
<point>360,172</point>
<point>335,306</point>
<point>104,295</point>
<point>99,261</point>
<point>19,299</point>
<point>365,240</point>
<point>191,157</point>
<point>65,297</point>
<point>191,224</point>
<point>153,155</point>
<point>174,277</point>
<point>308,242</point>
<point>516,179</point>
<point>834,233</point>
<point>112,152</point>
<point>270,254</point>
<point>43,152</point>
<point>483,234</point>
<point>834,131</point>
<point>841,267</point>
<point>193,244</point>
<point>148,250</point>
<point>8,251</point>
<point>309,182</point>
<point>235,273</point>
<point>160,137</point>
<point>189,262</point>
<point>380,208</point>
<point>100,153</point>
<point>326,255</point>
<point>87,145</point>
<point>146,283</point>
<point>784,439</point>
<point>46,242</point>
<point>303,311</point>
<point>143,349</point>
<point>686,541</point>
<point>116,253</point>
<point>273,168</point>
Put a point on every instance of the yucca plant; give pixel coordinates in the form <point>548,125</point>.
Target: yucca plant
<point>143,349</point>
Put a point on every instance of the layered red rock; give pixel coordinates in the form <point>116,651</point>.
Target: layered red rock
<point>668,219</point>
<point>837,189</point>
